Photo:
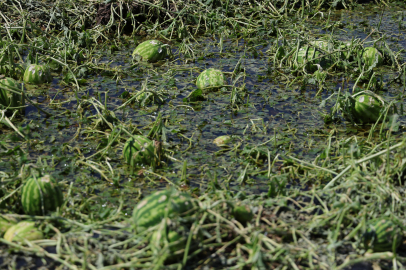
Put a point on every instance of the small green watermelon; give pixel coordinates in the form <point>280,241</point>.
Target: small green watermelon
<point>37,74</point>
<point>8,98</point>
<point>151,50</point>
<point>23,230</point>
<point>371,55</point>
<point>367,107</point>
<point>382,235</point>
<point>139,150</point>
<point>41,195</point>
<point>210,78</point>
<point>151,210</point>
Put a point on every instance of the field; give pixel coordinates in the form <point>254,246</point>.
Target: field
<point>291,156</point>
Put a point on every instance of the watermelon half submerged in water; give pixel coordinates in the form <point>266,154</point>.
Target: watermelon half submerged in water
<point>151,50</point>
<point>37,74</point>
<point>151,210</point>
<point>210,78</point>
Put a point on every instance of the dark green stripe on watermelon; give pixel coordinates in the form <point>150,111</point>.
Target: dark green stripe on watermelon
<point>382,235</point>
<point>41,195</point>
<point>151,210</point>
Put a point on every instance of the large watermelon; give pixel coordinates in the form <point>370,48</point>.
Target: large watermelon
<point>151,50</point>
<point>210,78</point>
<point>41,195</point>
<point>382,235</point>
<point>37,74</point>
<point>366,107</point>
<point>139,150</point>
<point>371,55</point>
<point>5,223</point>
<point>23,230</point>
<point>151,210</point>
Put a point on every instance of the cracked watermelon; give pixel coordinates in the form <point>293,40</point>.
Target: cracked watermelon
<point>37,74</point>
<point>210,78</point>
<point>382,235</point>
<point>151,210</point>
<point>25,230</point>
<point>151,50</point>
<point>41,195</point>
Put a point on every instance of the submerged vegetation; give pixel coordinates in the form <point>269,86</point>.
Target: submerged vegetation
<point>232,134</point>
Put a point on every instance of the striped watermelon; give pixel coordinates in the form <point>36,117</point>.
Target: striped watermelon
<point>306,54</point>
<point>37,74</point>
<point>382,235</point>
<point>41,195</point>
<point>7,98</point>
<point>139,150</point>
<point>367,107</point>
<point>371,55</point>
<point>151,50</point>
<point>210,78</point>
<point>151,210</point>
<point>23,230</point>
<point>5,223</point>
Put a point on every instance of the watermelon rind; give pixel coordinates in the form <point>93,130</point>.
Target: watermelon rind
<point>210,78</point>
<point>25,230</point>
<point>382,235</point>
<point>151,50</point>
<point>41,195</point>
<point>151,210</point>
<point>37,74</point>
<point>5,223</point>
<point>138,151</point>
<point>367,107</point>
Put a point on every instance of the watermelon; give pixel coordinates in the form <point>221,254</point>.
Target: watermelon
<point>151,50</point>
<point>139,150</point>
<point>160,238</point>
<point>366,107</point>
<point>151,210</point>
<point>306,54</point>
<point>243,214</point>
<point>8,98</point>
<point>37,74</point>
<point>41,195</point>
<point>382,235</point>
<point>371,55</point>
<point>222,140</point>
<point>5,223</point>
<point>23,230</point>
<point>210,78</point>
